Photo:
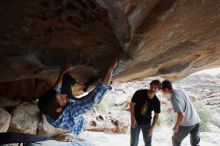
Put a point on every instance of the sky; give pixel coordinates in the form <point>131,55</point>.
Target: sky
<point>212,71</point>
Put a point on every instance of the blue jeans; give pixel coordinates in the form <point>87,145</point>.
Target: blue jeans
<point>57,143</point>
<point>135,135</point>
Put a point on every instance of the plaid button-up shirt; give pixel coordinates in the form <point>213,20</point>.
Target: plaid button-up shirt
<point>71,118</point>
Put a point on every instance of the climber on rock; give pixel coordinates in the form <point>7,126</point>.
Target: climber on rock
<point>63,110</point>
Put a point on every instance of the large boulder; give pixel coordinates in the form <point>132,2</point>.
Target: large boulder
<point>171,38</point>
<point>157,36</point>
<point>8,103</point>
<point>107,121</point>
<point>25,118</point>
<point>5,118</point>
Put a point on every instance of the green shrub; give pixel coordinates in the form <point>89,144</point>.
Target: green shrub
<point>102,105</point>
<point>215,118</point>
<point>205,115</point>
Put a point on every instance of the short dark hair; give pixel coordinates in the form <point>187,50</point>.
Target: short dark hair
<point>156,82</point>
<point>167,84</point>
<point>48,103</point>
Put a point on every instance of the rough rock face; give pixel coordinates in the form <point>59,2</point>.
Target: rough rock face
<point>110,121</point>
<point>171,38</point>
<point>5,118</point>
<point>7,103</point>
<point>25,119</point>
<point>40,36</point>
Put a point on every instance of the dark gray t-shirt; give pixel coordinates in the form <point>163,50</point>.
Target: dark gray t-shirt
<point>181,103</point>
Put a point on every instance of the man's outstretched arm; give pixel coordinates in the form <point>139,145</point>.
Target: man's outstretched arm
<point>93,98</point>
<point>63,70</point>
<point>108,76</point>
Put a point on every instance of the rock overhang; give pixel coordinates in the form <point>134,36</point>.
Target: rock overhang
<point>170,38</point>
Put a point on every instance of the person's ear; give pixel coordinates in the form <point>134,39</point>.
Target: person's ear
<point>58,110</point>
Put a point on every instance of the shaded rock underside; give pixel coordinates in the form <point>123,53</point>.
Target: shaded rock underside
<point>170,38</point>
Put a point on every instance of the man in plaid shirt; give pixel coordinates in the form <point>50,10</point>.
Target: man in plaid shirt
<point>65,111</point>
